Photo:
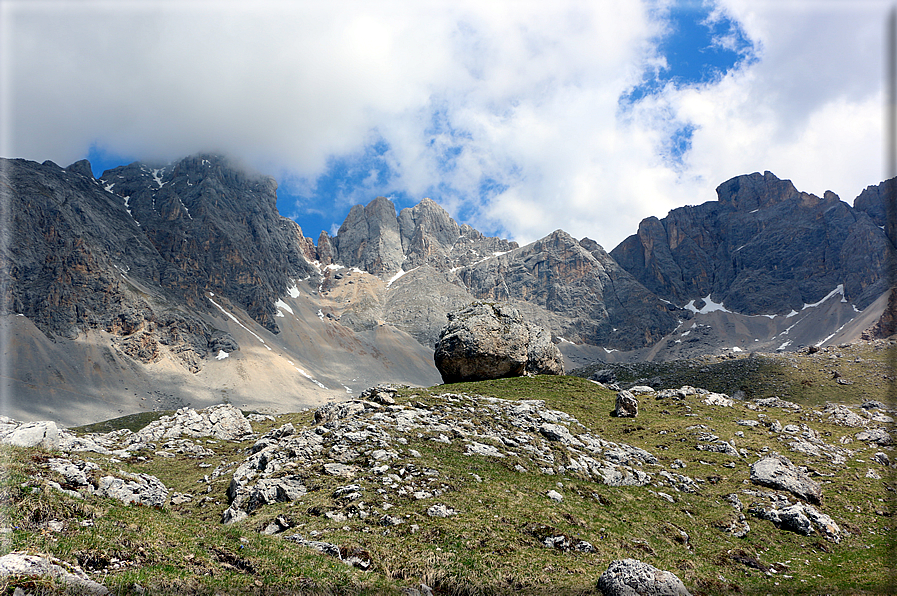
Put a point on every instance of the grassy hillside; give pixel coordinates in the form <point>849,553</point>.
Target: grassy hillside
<point>866,371</point>
<point>494,545</point>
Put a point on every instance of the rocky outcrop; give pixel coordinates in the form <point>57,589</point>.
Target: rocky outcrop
<point>631,577</point>
<point>801,519</point>
<point>35,565</point>
<point>362,441</point>
<point>140,489</point>
<point>777,471</point>
<point>223,421</point>
<point>492,341</point>
<point>761,248</point>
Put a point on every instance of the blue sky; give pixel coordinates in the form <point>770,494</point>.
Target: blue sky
<point>517,117</point>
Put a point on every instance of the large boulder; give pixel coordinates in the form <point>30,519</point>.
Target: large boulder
<point>777,471</point>
<point>631,577</point>
<point>492,341</point>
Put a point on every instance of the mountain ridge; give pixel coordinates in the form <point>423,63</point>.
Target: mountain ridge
<point>189,268</point>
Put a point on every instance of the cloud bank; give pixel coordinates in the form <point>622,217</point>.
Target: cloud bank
<point>518,117</point>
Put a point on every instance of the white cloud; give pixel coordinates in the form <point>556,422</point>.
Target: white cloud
<point>526,95</point>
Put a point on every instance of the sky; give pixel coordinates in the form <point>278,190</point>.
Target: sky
<point>518,117</point>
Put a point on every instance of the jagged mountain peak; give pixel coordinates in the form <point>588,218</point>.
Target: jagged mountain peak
<point>762,248</point>
<point>755,191</point>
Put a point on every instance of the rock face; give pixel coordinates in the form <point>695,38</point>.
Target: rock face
<point>874,202</point>
<point>761,248</point>
<point>492,341</point>
<point>778,472</point>
<point>580,292</point>
<point>631,577</point>
<point>216,227</point>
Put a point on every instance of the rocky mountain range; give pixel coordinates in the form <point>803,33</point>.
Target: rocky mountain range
<point>159,286</point>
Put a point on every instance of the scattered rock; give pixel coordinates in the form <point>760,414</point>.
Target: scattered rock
<point>440,510</point>
<point>353,557</point>
<point>874,435</point>
<point>626,406</point>
<point>844,416</point>
<point>223,421</point>
<point>140,489</point>
<point>882,458</point>
<point>32,565</point>
<point>554,496</point>
<point>802,519</point>
<point>181,498</point>
<point>631,577</point>
<point>776,471</point>
<point>718,399</point>
<point>554,538</point>
<point>641,390</point>
<point>381,394</point>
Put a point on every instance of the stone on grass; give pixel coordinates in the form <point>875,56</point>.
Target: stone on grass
<point>493,341</point>
<point>33,434</point>
<point>139,489</point>
<point>222,421</point>
<point>440,510</point>
<point>32,565</point>
<point>631,577</point>
<point>776,471</point>
<point>626,405</point>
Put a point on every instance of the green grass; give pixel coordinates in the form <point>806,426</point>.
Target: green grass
<point>491,547</point>
<point>807,379</point>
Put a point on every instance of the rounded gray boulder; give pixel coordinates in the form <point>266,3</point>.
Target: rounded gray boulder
<point>631,577</point>
<point>492,341</point>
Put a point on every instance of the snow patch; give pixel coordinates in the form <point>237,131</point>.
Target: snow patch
<point>784,345</point>
<point>709,306</point>
<point>222,355</point>
<point>157,176</point>
<point>235,320</point>
<point>293,292</point>
<point>398,276</point>
<point>736,349</point>
<point>309,377</point>
<point>320,314</point>
<point>838,290</point>
<point>610,350</point>
<point>109,186</point>
<point>281,304</point>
